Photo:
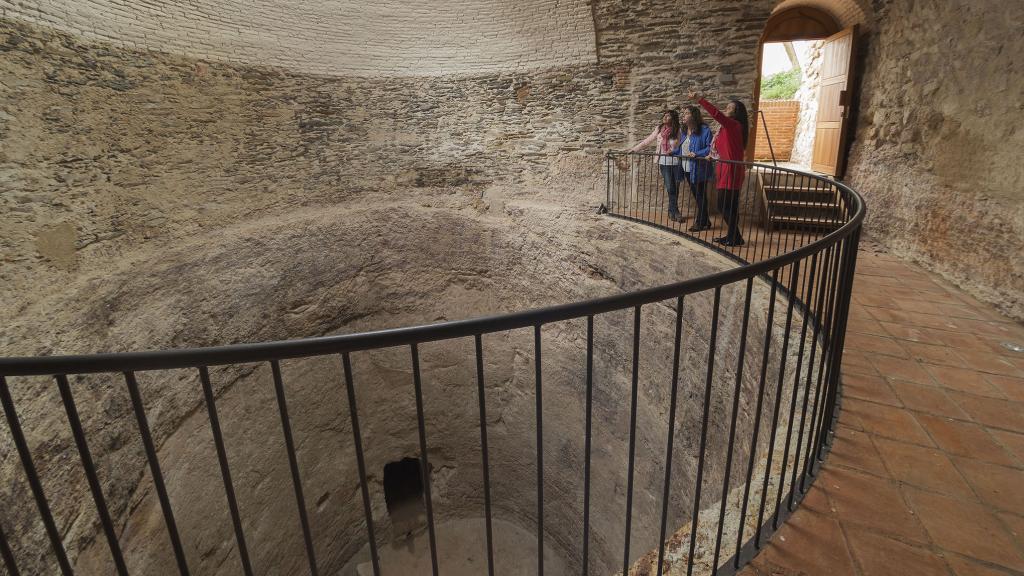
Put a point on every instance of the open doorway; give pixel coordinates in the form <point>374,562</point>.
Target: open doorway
<point>803,91</point>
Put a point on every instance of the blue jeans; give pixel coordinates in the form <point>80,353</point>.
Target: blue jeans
<point>670,174</point>
<point>700,194</point>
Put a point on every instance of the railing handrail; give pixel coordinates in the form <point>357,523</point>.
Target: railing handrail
<point>321,345</point>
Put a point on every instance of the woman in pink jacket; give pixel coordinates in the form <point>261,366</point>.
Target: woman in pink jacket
<point>731,144</point>
<point>667,136</point>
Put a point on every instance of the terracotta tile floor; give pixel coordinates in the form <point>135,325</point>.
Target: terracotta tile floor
<point>926,475</point>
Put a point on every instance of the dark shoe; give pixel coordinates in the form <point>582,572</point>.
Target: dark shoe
<point>728,242</point>
<point>699,227</point>
<point>676,218</point>
<point>720,239</point>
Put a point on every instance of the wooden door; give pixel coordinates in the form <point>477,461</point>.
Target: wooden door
<point>838,53</point>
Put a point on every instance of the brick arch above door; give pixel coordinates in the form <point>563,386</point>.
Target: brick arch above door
<point>845,12</point>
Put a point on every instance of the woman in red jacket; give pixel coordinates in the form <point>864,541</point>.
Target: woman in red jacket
<point>731,144</point>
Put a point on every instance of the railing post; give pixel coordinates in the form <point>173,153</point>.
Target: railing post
<point>845,295</point>
<point>768,137</point>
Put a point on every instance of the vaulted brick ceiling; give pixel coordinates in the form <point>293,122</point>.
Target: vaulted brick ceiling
<point>338,37</point>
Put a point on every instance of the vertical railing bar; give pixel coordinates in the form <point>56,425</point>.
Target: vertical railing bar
<point>587,442</point>
<point>33,478</point>
<point>7,555</point>
<point>641,175</point>
<point>155,472</point>
<point>484,451</point>
<point>763,236</point>
<point>644,189</point>
<point>812,227</point>
<point>225,470</point>
<point>671,434</point>
<point>357,440</point>
<point>732,424</point>
<point>713,167</point>
<point>721,217</point>
<point>685,199</point>
<point>649,197</point>
<point>825,343</point>
<point>608,181</point>
<point>90,472</point>
<point>757,413</point>
<point>632,436</point>
<point>772,230</point>
<point>633,181</point>
<point>425,469</point>
<point>754,235</point>
<point>849,270</point>
<point>704,429</point>
<point>540,447</point>
<point>657,202</point>
<point>801,225</point>
<point>622,187</point>
<point>794,274</point>
<point>807,294</point>
<point>627,176</point>
<point>833,340</point>
<point>749,200</point>
<point>823,280</point>
<point>791,194</point>
<point>651,200</point>
<point>293,464</point>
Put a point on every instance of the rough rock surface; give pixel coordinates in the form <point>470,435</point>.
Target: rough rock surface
<point>807,95</point>
<point>351,268</point>
<point>937,153</point>
<point>156,200</point>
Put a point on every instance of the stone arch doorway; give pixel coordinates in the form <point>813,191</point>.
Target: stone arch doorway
<point>819,41</point>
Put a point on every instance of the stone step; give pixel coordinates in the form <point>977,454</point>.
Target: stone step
<point>804,204</point>
<point>800,189</point>
<point>781,220</point>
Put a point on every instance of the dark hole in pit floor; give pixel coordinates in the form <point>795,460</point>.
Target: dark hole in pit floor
<point>403,490</point>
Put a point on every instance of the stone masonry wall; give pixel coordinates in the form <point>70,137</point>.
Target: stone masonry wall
<point>118,148</point>
<point>124,152</point>
<point>937,153</point>
<point>125,155</point>
<point>807,96</point>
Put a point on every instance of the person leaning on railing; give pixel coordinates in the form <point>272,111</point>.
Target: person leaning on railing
<point>730,144</point>
<point>696,168</point>
<point>667,136</point>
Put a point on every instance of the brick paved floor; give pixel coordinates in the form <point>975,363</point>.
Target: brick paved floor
<point>926,475</point>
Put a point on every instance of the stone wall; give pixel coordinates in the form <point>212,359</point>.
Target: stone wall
<point>781,118</point>
<point>807,96</point>
<point>120,149</point>
<point>161,201</point>
<point>134,164</point>
<point>937,149</point>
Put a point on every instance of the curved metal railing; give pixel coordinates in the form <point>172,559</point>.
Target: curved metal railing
<point>800,241</point>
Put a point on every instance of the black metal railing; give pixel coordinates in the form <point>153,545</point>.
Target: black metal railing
<point>786,382</point>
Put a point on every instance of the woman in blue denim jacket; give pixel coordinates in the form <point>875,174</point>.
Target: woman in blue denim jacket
<point>697,170</point>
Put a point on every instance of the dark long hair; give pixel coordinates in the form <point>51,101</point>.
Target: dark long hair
<point>741,117</point>
<point>675,121</point>
<point>696,119</point>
